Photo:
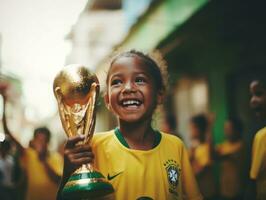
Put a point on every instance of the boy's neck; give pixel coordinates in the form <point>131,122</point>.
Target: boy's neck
<point>139,136</point>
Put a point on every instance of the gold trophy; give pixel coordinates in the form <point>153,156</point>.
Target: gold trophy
<point>76,90</point>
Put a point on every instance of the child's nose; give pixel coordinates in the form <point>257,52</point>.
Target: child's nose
<point>129,87</point>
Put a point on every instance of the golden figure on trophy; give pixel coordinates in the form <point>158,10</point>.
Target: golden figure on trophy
<point>76,90</point>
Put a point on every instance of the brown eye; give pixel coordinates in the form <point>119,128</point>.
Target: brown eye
<point>116,82</point>
<point>140,80</point>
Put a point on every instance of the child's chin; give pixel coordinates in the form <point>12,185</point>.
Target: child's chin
<point>131,119</point>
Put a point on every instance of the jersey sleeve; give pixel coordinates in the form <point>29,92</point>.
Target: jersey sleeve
<point>189,184</point>
<point>258,152</point>
<point>56,163</point>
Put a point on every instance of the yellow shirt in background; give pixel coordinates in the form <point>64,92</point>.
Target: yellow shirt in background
<point>232,168</point>
<point>39,185</point>
<point>202,154</point>
<point>229,147</point>
<point>162,173</point>
<point>258,164</point>
<point>205,179</point>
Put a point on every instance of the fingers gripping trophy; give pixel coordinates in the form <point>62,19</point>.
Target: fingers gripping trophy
<point>76,90</point>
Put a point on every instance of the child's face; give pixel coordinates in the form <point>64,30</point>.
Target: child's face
<point>40,142</point>
<point>258,98</point>
<point>131,92</point>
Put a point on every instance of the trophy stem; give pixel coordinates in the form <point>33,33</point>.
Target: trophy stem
<point>87,167</point>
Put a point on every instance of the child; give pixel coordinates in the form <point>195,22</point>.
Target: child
<point>231,153</point>
<point>257,175</point>
<point>140,162</point>
<point>200,155</point>
<point>42,168</point>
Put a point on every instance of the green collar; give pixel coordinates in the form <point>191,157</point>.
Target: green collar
<point>122,140</point>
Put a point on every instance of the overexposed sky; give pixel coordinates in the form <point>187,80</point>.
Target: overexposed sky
<point>34,47</point>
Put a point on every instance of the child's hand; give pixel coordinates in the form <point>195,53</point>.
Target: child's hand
<point>76,155</point>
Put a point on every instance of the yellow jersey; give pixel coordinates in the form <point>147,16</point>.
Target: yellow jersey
<point>206,178</point>
<point>232,176</point>
<point>202,154</point>
<point>162,173</point>
<point>258,163</point>
<point>39,185</point>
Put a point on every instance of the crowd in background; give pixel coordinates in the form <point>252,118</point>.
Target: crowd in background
<point>226,171</point>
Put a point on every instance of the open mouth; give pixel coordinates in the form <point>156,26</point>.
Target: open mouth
<point>131,103</point>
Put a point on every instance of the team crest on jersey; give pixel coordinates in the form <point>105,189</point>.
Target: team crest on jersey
<point>173,173</point>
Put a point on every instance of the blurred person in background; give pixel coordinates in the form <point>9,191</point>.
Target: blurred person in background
<point>257,184</point>
<point>11,176</point>
<point>231,154</point>
<point>10,173</point>
<point>42,168</point>
<point>169,124</point>
<point>200,156</point>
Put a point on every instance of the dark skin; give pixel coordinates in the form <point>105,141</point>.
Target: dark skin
<point>144,140</point>
<point>258,105</point>
<point>39,143</point>
<point>129,80</point>
<point>258,99</point>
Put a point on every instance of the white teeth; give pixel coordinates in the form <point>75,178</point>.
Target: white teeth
<point>130,102</point>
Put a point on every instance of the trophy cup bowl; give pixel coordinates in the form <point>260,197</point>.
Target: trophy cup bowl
<point>76,90</point>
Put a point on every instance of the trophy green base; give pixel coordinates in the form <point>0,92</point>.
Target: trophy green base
<point>86,184</point>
